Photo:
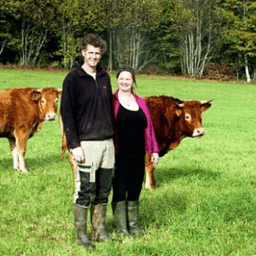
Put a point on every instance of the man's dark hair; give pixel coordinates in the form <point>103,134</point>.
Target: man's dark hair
<point>94,40</point>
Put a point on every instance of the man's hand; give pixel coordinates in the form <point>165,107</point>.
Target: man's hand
<point>78,154</point>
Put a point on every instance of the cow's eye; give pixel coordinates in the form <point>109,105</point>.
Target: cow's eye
<point>56,101</point>
<point>188,117</point>
<point>43,101</point>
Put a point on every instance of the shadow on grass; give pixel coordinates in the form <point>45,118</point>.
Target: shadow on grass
<point>169,203</point>
<point>33,163</point>
<point>160,210</point>
<point>167,175</point>
<point>6,163</point>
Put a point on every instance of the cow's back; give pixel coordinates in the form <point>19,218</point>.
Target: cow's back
<point>16,109</point>
<point>6,110</point>
<point>162,110</point>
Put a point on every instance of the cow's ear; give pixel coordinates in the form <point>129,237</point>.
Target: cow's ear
<point>205,104</point>
<point>35,94</point>
<point>178,112</point>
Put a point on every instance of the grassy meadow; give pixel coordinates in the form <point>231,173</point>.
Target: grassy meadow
<point>204,203</point>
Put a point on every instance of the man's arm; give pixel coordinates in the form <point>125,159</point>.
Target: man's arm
<point>67,108</point>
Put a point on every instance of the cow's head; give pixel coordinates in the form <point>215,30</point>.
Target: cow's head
<point>47,99</point>
<point>190,115</point>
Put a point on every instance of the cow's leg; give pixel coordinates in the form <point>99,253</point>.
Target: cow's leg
<point>21,138</point>
<point>14,153</point>
<point>63,140</point>
<point>73,166</point>
<point>63,146</point>
<point>149,169</point>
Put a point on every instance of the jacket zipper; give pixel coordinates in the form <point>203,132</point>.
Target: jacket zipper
<point>96,83</point>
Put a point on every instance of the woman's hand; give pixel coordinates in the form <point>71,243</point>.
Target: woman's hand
<point>154,159</point>
<point>78,154</point>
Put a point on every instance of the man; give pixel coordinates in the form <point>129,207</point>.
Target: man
<point>86,110</point>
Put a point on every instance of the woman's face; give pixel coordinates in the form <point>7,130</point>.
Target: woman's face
<point>125,81</point>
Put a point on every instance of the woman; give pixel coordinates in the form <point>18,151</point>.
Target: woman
<point>134,133</point>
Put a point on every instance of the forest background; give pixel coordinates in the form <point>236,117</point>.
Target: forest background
<point>195,38</point>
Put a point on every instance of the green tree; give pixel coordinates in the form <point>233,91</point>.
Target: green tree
<point>239,33</point>
<point>74,18</point>
<point>130,25</point>
<point>33,21</point>
<point>169,33</point>
<point>7,41</point>
<point>200,35</point>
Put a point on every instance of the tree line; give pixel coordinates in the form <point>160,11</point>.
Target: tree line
<point>180,36</point>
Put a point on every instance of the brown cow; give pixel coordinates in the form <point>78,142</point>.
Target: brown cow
<point>22,112</point>
<point>173,120</point>
<point>64,148</point>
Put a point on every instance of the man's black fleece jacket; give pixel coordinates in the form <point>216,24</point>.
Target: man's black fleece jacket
<point>86,107</point>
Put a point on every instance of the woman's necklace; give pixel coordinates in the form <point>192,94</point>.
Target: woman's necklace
<point>128,101</point>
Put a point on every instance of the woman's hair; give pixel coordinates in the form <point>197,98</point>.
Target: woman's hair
<point>94,40</point>
<point>127,69</point>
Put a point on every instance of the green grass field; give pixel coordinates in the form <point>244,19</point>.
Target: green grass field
<point>204,203</point>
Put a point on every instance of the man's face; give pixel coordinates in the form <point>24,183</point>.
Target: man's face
<point>92,55</point>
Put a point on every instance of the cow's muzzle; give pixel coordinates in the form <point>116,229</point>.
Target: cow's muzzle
<point>198,132</point>
<point>51,116</point>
